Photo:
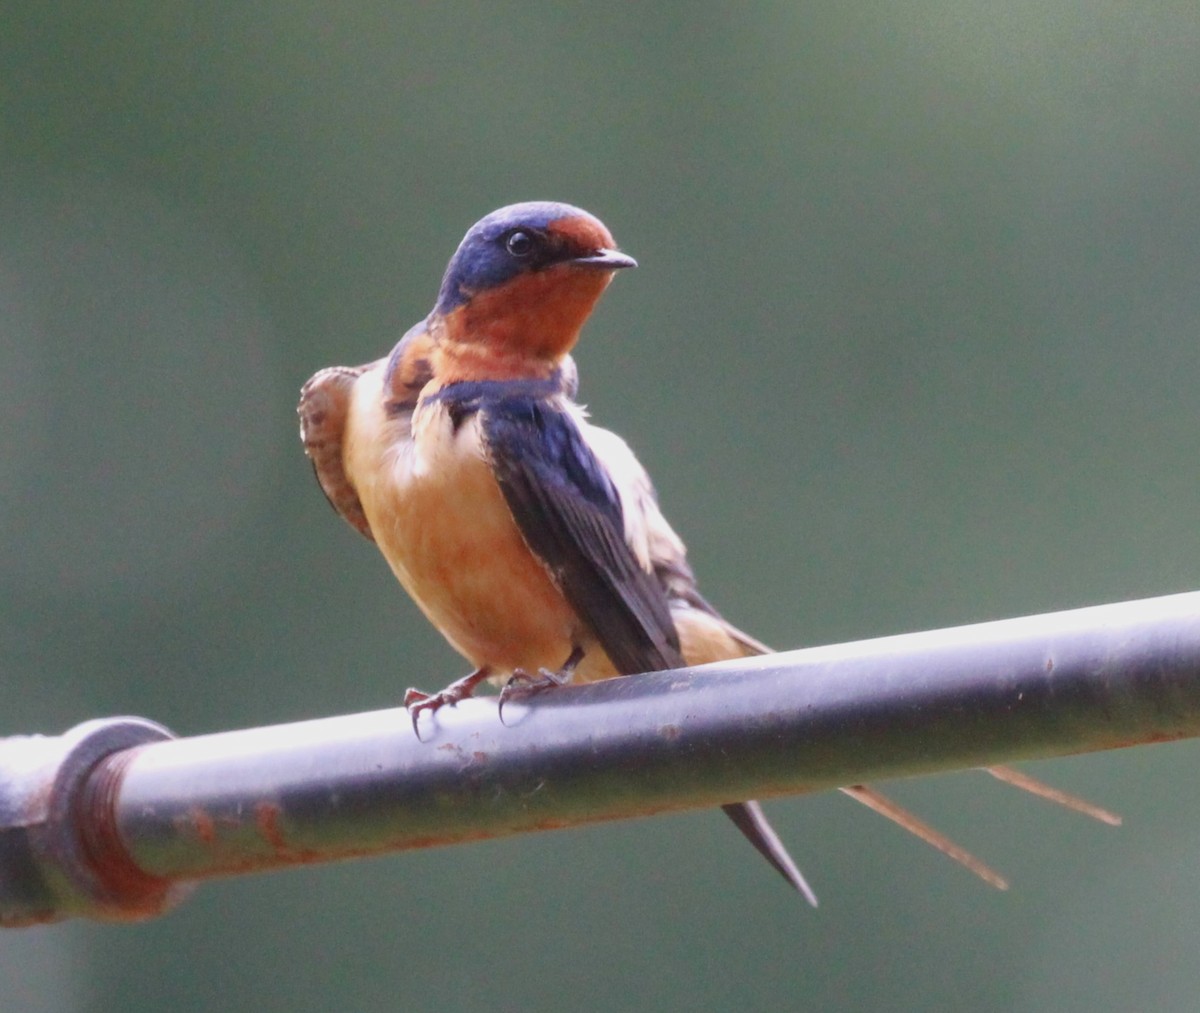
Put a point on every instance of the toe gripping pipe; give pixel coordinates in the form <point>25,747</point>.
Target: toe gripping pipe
<point>116,818</point>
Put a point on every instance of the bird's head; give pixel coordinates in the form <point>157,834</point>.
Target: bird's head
<point>523,282</point>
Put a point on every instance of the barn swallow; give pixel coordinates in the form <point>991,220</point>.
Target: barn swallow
<point>532,539</point>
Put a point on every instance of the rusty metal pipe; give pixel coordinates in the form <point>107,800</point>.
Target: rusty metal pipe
<point>114,832</point>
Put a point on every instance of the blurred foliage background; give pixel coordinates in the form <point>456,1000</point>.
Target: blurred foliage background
<point>913,343</point>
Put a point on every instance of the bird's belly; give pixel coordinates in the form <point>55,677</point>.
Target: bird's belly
<point>444,527</point>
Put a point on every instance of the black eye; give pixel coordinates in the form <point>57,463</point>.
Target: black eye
<point>519,244</point>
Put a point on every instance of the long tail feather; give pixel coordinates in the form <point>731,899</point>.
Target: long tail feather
<point>902,817</point>
<point>1019,779</point>
<point>749,818</point>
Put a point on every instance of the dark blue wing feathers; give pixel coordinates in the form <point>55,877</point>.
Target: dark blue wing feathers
<point>569,513</point>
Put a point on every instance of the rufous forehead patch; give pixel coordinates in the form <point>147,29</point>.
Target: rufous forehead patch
<point>583,233</point>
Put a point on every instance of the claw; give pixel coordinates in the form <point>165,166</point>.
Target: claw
<point>416,700</point>
<point>521,683</point>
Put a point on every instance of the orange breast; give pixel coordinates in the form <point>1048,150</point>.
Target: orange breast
<point>442,523</point>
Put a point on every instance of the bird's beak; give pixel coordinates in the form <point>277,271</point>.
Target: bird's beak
<point>606,260</point>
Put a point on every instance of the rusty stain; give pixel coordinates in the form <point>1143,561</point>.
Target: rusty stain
<point>132,892</point>
<point>267,819</point>
<point>479,756</point>
<point>438,840</point>
<point>203,824</point>
<point>669,732</point>
<point>27,919</point>
<point>1145,739</point>
<point>266,816</point>
<point>1049,664</point>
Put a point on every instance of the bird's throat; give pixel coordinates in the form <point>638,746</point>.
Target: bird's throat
<point>535,318</point>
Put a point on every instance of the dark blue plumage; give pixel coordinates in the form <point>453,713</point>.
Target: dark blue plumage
<point>482,260</point>
<point>570,515</point>
<point>408,449</point>
<point>466,397</point>
<point>548,444</point>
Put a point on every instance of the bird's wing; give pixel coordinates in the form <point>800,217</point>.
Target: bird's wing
<point>324,405</point>
<point>662,551</point>
<point>579,524</point>
<point>570,515</point>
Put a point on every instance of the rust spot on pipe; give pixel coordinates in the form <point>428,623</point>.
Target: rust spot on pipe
<point>133,892</point>
<point>1154,738</point>
<point>267,817</point>
<point>203,824</point>
<point>439,840</point>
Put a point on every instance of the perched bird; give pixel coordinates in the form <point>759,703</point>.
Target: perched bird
<point>532,539</point>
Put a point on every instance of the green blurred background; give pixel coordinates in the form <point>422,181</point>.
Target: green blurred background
<point>913,343</point>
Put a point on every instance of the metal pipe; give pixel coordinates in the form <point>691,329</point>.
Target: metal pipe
<point>159,812</point>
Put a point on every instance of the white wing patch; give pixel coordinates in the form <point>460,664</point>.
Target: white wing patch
<point>649,536</point>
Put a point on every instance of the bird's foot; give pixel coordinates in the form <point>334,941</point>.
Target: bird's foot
<point>416,700</point>
<point>522,684</point>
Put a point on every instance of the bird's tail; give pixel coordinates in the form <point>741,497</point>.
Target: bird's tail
<point>749,818</point>
<point>883,805</point>
<point>709,637</point>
